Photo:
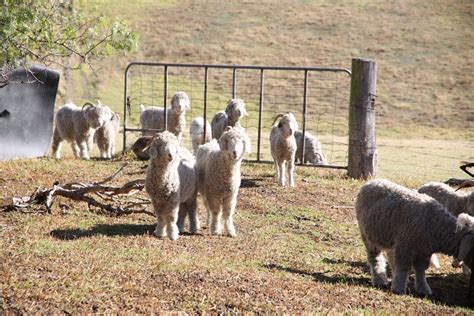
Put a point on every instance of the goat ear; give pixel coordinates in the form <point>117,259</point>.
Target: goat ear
<point>227,108</point>
<point>467,245</point>
<point>223,143</point>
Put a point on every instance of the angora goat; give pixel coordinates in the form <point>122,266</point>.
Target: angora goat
<point>410,227</point>
<point>171,184</point>
<point>104,136</point>
<point>283,147</point>
<point>196,133</point>
<point>77,125</point>
<point>218,176</point>
<point>153,118</point>
<point>234,111</point>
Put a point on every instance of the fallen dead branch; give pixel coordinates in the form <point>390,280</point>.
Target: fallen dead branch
<point>100,197</point>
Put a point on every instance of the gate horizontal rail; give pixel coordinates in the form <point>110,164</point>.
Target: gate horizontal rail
<point>234,68</point>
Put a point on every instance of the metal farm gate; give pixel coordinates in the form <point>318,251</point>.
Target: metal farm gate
<point>318,97</point>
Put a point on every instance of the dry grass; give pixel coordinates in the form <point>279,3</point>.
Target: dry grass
<point>423,49</point>
<point>296,250</point>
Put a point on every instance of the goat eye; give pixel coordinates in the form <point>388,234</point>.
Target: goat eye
<point>279,125</point>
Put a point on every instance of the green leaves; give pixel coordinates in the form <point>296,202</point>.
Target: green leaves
<point>53,32</point>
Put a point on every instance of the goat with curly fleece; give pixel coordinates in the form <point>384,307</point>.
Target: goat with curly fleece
<point>312,149</point>
<point>456,202</point>
<point>104,136</point>
<point>153,116</point>
<point>218,176</point>
<point>283,147</point>
<point>171,184</point>
<point>196,133</point>
<point>77,125</point>
<point>234,111</point>
<point>410,227</point>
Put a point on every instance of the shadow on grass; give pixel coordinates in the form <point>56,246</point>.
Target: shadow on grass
<point>322,277</point>
<point>450,289</point>
<point>250,183</point>
<point>105,230</point>
<point>354,264</point>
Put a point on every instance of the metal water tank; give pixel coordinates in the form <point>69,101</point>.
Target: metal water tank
<point>27,111</point>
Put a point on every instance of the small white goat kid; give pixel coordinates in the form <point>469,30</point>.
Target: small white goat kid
<point>104,136</point>
<point>283,147</point>
<point>153,117</point>
<point>218,176</point>
<point>234,111</point>
<point>171,184</point>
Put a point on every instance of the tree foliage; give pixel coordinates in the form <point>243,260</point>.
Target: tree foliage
<point>53,32</point>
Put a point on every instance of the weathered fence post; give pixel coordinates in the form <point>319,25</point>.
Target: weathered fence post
<point>362,146</point>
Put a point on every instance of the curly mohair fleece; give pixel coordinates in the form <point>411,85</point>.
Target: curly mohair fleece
<point>104,136</point>
<point>410,227</point>
<point>218,176</point>
<point>231,116</point>
<point>196,132</point>
<point>171,184</point>
<point>456,202</point>
<point>77,125</point>
<point>283,147</point>
<point>312,149</point>
<point>153,117</point>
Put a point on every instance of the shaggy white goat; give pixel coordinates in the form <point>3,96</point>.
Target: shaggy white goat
<point>171,184</point>
<point>153,118</point>
<point>411,227</point>
<point>283,147</point>
<point>234,111</point>
<point>104,136</point>
<point>218,176</point>
<point>312,149</point>
<point>456,202</point>
<point>77,126</point>
<point>196,133</point>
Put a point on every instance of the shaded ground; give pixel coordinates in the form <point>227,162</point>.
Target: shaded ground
<point>296,250</point>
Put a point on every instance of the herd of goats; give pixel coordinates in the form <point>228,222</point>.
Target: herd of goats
<point>409,226</point>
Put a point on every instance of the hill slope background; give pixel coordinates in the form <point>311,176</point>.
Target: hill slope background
<point>424,50</point>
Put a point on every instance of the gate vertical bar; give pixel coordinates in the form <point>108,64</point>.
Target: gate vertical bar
<point>234,82</point>
<point>205,104</point>
<point>305,109</point>
<point>126,102</point>
<point>165,96</point>
<point>260,111</point>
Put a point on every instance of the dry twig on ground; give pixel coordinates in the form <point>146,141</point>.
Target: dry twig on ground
<point>99,196</point>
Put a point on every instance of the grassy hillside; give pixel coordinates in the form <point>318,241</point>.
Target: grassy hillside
<point>424,50</point>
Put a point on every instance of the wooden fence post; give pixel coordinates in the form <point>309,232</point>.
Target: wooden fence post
<point>362,146</point>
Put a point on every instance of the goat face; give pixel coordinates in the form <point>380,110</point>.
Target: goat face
<point>236,109</point>
<point>164,148</point>
<point>287,125</point>
<point>180,102</point>
<point>233,144</point>
<point>97,116</point>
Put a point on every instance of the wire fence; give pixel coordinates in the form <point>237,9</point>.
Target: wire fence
<point>318,97</point>
<point>428,160</point>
